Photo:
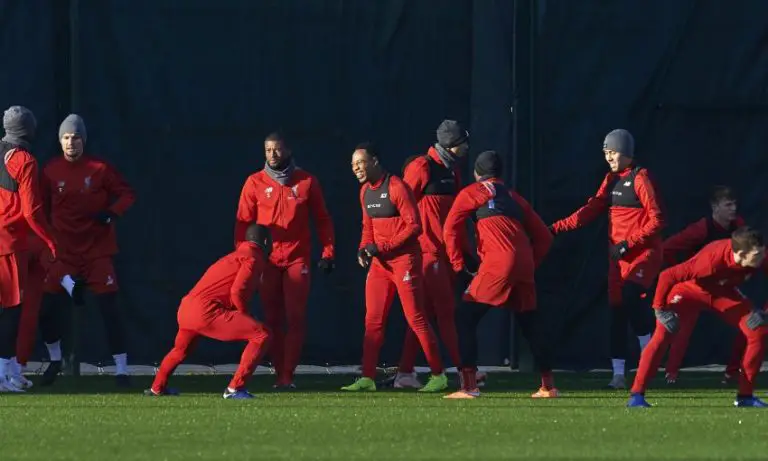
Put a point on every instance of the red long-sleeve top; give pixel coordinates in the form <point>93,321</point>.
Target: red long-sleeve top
<point>433,207</point>
<point>232,280</point>
<point>713,269</point>
<point>688,241</point>
<point>497,236</point>
<point>286,210</point>
<point>395,235</point>
<point>78,191</point>
<point>640,226</point>
<point>22,210</point>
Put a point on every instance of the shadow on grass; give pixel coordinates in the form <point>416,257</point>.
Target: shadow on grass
<point>585,385</point>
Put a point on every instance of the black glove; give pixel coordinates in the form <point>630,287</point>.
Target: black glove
<point>464,278</point>
<point>755,320</point>
<point>372,250</point>
<point>362,255</point>
<point>471,263</point>
<point>619,250</point>
<point>78,292</point>
<point>326,265</point>
<point>105,217</point>
<point>669,319</point>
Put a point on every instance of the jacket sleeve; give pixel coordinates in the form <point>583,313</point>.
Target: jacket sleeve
<point>119,190</point>
<point>468,200</point>
<point>416,177</point>
<point>367,234</point>
<point>244,286</point>
<point>322,219</point>
<point>703,264</point>
<point>655,222</point>
<point>594,207</point>
<point>685,241</point>
<point>25,167</point>
<point>403,200</point>
<point>541,238</point>
<point>247,210</point>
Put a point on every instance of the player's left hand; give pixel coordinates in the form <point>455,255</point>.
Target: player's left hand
<point>105,217</point>
<point>756,319</point>
<point>619,250</point>
<point>326,265</point>
<point>669,319</point>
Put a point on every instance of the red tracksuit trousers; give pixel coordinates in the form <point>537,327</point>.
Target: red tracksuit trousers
<point>440,304</point>
<point>401,274</point>
<point>687,309</point>
<point>284,292</point>
<point>30,309</point>
<point>680,344</point>
<point>199,318</point>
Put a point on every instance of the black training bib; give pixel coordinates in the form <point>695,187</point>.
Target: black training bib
<point>378,203</point>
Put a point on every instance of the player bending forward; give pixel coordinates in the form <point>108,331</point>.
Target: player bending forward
<point>710,280</point>
<point>217,307</point>
<point>512,240</point>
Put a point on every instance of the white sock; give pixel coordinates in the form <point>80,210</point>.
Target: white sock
<point>121,364</point>
<point>618,366</point>
<point>68,283</point>
<point>231,391</point>
<point>4,368</point>
<point>54,351</point>
<point>644,340</point>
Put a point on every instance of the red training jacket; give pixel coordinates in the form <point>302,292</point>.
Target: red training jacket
<point>433,209</point>
<point>397,235</point>
<point>713,269</point>
<point>286,211</point>
<point>690,240</point>
<point>232,280</point>
<point>497,236</point>
<point>75,193</point>
<point>22,210</point>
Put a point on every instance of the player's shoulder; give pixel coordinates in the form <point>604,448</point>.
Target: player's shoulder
<point>18,156</point>
<point>418,162</point>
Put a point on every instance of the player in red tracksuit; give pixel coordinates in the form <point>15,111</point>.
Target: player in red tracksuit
<point>512,241</point>
<point>217,307</point>
<point>435,180</point>
<point>389,249</point>
<point>283,197</point>
<point>710,280</point>
<point>86,196</point>
<point>21,209</point>
<point>686,243</point>
<point>635,222</point>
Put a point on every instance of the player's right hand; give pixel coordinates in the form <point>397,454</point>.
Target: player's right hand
<point>363,259</point>
<point>756,319</point>
<point>669,319</point>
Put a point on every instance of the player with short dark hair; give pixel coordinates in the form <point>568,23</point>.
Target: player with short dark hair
<point>710,280</point>
<point>635,222</point>
<point>686,243</point>
<point>389,250</point>
<point>512,241</point>
<point>217,308</point>
<point>284,198</point>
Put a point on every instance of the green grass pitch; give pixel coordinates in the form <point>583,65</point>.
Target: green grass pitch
<point>89,419</point>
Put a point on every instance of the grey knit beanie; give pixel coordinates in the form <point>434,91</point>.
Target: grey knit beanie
<point>73,124</point>
<point>620,141</point>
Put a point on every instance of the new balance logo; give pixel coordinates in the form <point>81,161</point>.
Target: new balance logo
<point>384,195</point>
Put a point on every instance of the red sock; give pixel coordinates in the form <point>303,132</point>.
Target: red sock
<point>469,379</point>
<point>547,381</point>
